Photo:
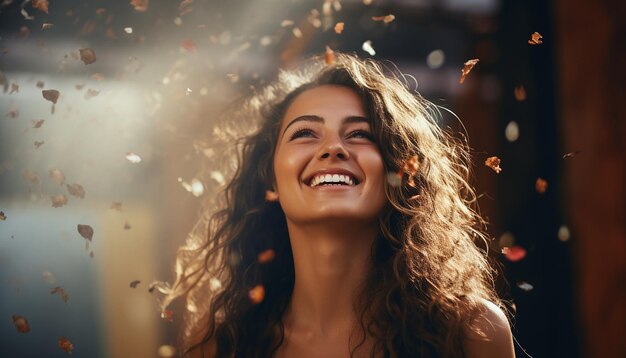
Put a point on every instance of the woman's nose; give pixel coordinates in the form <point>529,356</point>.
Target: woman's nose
<point>334,149</point>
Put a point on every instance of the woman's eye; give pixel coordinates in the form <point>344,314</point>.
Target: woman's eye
<point>304,132</point>
<point>360,134</point>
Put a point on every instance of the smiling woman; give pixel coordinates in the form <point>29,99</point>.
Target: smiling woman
<point>348,229</point>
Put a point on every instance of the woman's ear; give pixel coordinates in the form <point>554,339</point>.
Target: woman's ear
<point>271,195</point>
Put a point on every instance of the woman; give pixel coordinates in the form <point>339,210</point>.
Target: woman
<point>347,230</point>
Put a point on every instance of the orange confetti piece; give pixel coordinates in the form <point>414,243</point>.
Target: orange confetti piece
<point>140,5</point>
<point>257,294</point>
<point>467,67</point>
<point>339,27</point>
<point>535,39</point>
<point>541,185</point>
<point>87,55</point>
<point>329,56</point>
<point>61,291</point>
<point>168,315</point>
<point>76,190</point>
<point>85,231</point>
<point>21,324</point>
<point>266,256</point>
<point>520,93</point>
<point>493,163</point>
<point>410,168</point>
<point>514,253</point>
<point>66,345</point>
<point>386,19</point>
<point>58,200</point>
<point>189,45</point>
<point>41,5</point>
<point>51,95</point>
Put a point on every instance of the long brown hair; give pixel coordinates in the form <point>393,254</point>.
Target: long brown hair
<point>429,276</point>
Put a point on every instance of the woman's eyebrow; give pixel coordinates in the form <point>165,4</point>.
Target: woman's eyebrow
<point>318,119</point>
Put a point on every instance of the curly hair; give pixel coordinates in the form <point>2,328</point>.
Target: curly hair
<point>430,274</point>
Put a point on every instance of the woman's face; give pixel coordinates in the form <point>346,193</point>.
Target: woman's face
<point>326,164</point>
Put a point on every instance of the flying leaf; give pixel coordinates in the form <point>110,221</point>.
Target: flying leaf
<point>58,200</point>
<point>386,19</point>
<point>514,253</point>
<point>266,256</point>
<point>116,205</point>
<point>51,95</point>
<point>21,324</point>
<point>339,27</point>
<point>467,67</point>
<point>76,190</point>
<point>541,185</point>
<point>140,5</point>
<point>494,163</point>
<point>257,294</point>
<point>61,291</point>
<point>87,55</point>
<point>41,5</point>
<point>535,39</point>
<point>57,175</point>
<point>85,231</point>
<point>66,345</point>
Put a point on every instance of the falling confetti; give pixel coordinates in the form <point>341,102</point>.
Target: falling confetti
<point>41,5</point>
<point>339,27</point>
<point>257,294</point>
<point>91,93</point>
<point>135,283</point>
<point>329,56</point>
<point>14,88</point>
<point>87,55</point>
<point>467,67</point>
<point>58,200</point>
<point>166,351</point>
<point>49,277</point>
<point>367,47</point>
<point>571,154</point>
<point>2,216</point>
<point>61,291</point>
<point>520,93</point>
<point>140,5</point>
<point>46,26</point>
<point>116,205</point>
<point>76,190</point>
<point>51,95</point>
<point>535,39</point>
<point>128,30</point>
<point>214,284</point>
<point>57,175</point>
<point>38,123</point>
<point>410,168</point>
<point>525,286</point>
<point>286,23</point>
<point>66,345</point>
<point>133,158</point>
<point>563,233</point>
<point>127,226</point>
<point>40,84</point>
<point>511,132</point>
<point>21,324</point>
<point>85,231</point>
<point>541,185</point>
<point>514,253</point>
<point>386,19</point>
<point>189,45</point>
<point>31,176</point>
<point>494,163</point>
<point>266,256</point>
<point>38,144</point>
<point>297,32</point>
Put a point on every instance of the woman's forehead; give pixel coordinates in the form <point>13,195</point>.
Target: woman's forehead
<point>326,101</point>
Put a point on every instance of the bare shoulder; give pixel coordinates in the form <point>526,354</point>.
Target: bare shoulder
<point>206,350</point>
<point>497,340</point>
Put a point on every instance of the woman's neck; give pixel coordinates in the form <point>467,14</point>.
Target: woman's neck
<point>331,263</point>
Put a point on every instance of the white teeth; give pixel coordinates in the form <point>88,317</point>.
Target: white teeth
<point>331,179</point>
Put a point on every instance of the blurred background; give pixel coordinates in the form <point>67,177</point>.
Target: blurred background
<point>117,150</point>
